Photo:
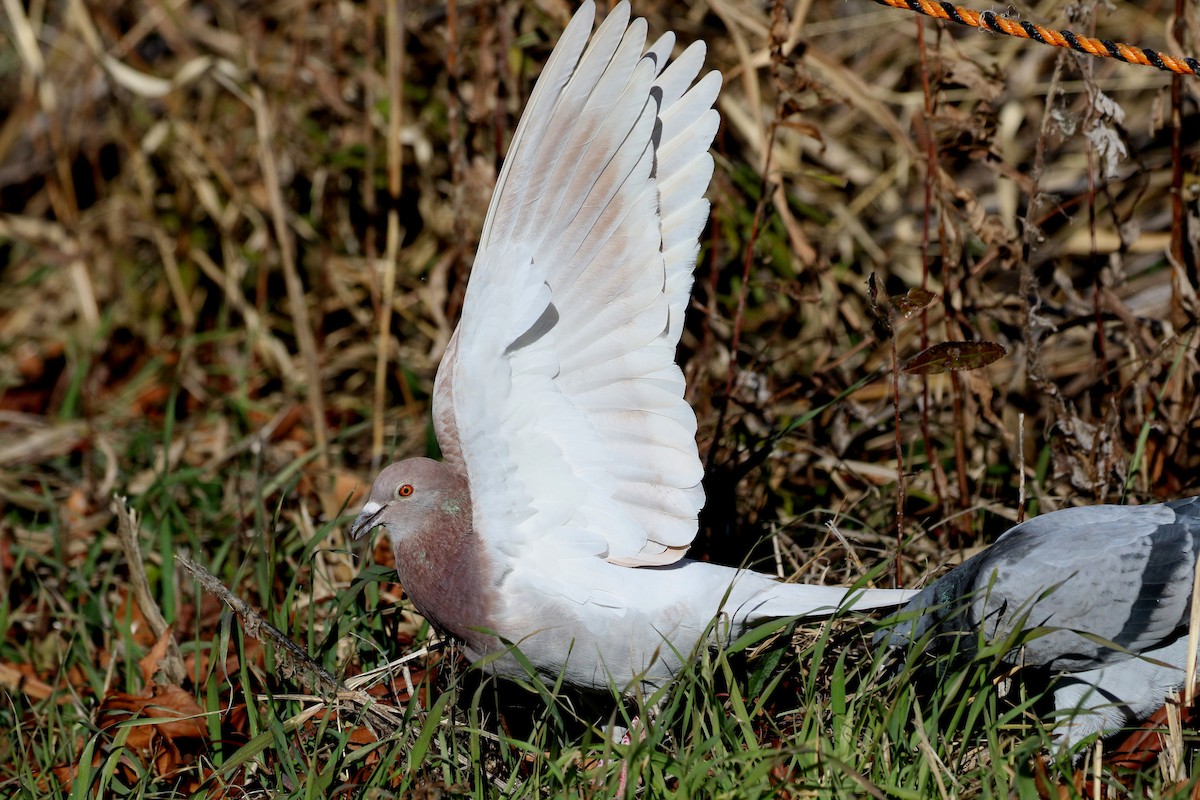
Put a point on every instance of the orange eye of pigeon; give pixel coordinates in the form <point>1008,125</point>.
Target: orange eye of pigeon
<point>405,490</point>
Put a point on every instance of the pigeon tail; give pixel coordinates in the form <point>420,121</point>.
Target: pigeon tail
<point>777,599</point>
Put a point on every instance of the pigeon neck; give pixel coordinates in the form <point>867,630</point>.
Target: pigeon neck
<point>444,567</point>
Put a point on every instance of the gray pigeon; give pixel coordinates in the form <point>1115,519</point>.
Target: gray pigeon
<point>1097,596</point>
<point>571,482</point>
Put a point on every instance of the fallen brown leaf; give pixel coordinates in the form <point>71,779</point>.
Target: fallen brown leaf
<point>175,711</point>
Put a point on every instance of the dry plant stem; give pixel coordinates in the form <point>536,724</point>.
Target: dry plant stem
<point>1027,281</point>
<point>739,314</point>
<point>1183,255</point>
<point>395,72</point>
<point>370,150</point>
<point>960,441</point>
<point>166,252</point>
<point>802,249</point>
<point>729,18</point>
<point>380,293</point>
<point>1171,761</point>
<point>1093,251</point>
<point>457,146</point>
<point>291,277</point>
<point>933,173</point>
<point>899,462</point>
<point>931,169</point>
<point>292,658</point>
<point>60,187</point>
<point>171,667</point>
<point>936,765</point>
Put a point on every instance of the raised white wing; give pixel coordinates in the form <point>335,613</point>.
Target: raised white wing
<point>559,394</point>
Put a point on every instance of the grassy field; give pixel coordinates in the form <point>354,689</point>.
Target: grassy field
<point>234,239</point>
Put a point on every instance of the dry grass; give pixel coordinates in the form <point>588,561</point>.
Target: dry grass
<point>235,241</point>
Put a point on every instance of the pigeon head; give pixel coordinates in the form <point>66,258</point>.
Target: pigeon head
<point>942,608</point>
<point>917,618</point>
<point>425,506</point>
<point>410,495</point>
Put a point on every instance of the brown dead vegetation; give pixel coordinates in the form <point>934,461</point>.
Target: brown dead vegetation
<point>234,241</point>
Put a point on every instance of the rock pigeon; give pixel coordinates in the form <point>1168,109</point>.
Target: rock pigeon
<point>570,487</point>
<point>1097,598</point>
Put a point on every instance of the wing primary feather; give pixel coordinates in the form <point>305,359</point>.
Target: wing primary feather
<point>558,70</point>
<point>585,103</point>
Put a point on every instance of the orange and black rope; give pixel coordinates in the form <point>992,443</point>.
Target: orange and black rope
<point>1101,48</point>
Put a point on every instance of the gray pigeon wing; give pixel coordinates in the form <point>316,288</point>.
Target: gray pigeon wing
<point>1119,574</point>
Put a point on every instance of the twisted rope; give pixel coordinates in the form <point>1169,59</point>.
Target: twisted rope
<point>1101,48</point>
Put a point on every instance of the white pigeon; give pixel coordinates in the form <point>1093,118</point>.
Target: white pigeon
<point>571,483</point>
<point>1097,598</point>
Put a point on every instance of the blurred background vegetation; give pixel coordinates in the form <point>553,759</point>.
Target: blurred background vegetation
<point>234,240</point>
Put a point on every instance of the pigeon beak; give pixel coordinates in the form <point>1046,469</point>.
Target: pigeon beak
<point>367,521</point>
